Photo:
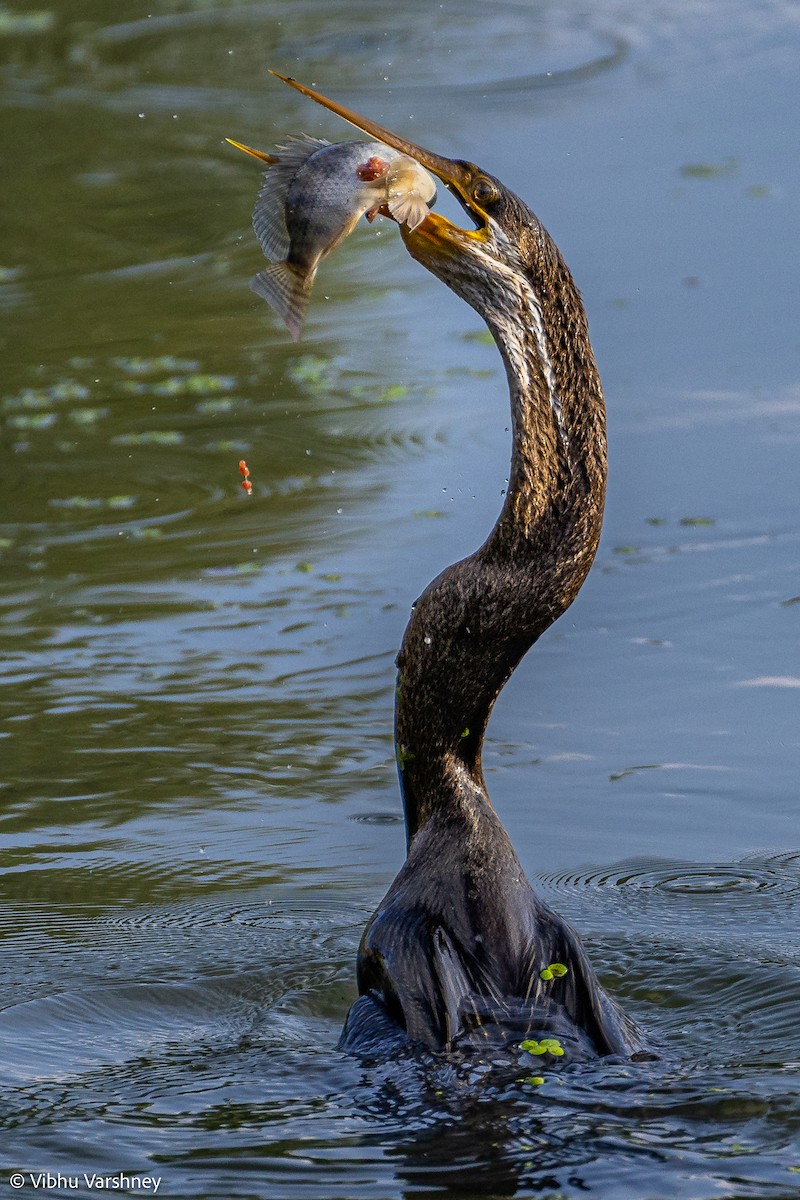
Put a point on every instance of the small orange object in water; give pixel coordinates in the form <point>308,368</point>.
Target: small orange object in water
<point>246,484</point>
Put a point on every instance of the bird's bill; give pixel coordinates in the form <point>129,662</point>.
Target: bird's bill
<point>259,154</point>
<point>455,175</point>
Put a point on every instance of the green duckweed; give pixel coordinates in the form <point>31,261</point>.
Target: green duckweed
<point>709,170</point>
<point>151,366</point>
<point>478,335</point>
<point>40,420</point>
<point>212,408</point>
<point>404,756</point>
<point>192,385</point>
<point>312,373</point>
<point>394,391</point>
<point>152,437</point>
<point>543,1046</point>
<point>87,416</point>
<point>553,971</point>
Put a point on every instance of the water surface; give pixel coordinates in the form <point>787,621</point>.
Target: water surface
<point>199,798</point>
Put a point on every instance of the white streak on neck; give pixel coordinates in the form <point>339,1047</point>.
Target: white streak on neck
<point>518,297</point>
<point>530,301</point>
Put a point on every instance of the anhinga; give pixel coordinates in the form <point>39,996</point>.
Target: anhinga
<point>455,952</point>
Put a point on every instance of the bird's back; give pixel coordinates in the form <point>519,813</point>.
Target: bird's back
<point>455,953</point>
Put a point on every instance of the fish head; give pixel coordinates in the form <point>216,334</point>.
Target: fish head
<point>504,234</point>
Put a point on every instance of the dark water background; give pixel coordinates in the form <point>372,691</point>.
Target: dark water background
<point>199,805</point>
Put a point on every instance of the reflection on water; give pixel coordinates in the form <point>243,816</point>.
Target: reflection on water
<point>199,798</point>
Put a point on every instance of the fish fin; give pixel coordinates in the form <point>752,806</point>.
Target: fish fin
<point>285,288</point>
<point>269,214</point>
<point>408,209</point>
<point>298,148</point>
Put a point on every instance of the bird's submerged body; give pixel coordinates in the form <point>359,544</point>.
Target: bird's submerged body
<point>458,955</point>
<point>461,952</point>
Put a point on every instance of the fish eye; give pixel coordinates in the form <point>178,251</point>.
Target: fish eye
<point>484,192</point>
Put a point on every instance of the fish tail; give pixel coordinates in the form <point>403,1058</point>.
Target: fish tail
<point>285,288</point>
<point>409,209</point>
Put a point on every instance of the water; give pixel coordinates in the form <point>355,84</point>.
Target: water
<point>199,799</point>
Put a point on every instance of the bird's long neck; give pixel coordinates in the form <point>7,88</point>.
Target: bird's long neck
<point>474,623</point>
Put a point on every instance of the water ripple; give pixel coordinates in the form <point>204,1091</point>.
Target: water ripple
<point>752,906</point>
<point>706,883</point>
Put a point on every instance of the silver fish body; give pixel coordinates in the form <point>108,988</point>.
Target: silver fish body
<point>312,197</point>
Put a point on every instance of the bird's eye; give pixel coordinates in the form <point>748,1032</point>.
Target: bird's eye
<point>484,192</point>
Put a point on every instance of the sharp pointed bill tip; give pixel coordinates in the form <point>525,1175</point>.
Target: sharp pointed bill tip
<point>259,154</point>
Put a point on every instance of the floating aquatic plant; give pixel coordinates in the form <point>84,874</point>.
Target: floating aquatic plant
<point>87,416</point>
<point>117,503</point>
<point>151,366</point>
<point>12,24</point>
<point>312,373</point>
<point>709,170</point>
<point>554,971</point>
<point>543,1046</point>
<point>404,756</point>
<point>39,420</point>
<point>151,437</point>
<point>212,408</point>
<point>194,384</point>
<point>227,446</point>
<point>478,335</point>
<point>393,391</point>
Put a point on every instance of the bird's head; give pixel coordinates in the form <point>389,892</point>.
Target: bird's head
<point>505,236</point>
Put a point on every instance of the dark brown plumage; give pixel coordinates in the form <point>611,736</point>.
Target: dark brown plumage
<point>454,954</point>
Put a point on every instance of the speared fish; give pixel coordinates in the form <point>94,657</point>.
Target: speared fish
<point>313,195</point>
